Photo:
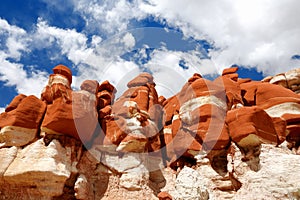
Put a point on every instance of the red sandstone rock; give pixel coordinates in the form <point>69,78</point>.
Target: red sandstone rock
<point>77,118</point>
<point>15,102</point>
<point>164,196</point>
<point>91,86</point>
<point>136,113</point>
<point>256,125</point>
<point>229,81</point>
<point>251,126</point>
<point>105,96</point>
<point>20,126</point>
<point>28,113</point>
<point>59,85</point>
<point>195,119</point>
<point>276,100</point>
<point>63,70</point>
<point>140,80</point>
<point>231,70</point>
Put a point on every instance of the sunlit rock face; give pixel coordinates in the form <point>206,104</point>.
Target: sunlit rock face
<point>229,138</point>
<point>20,122</point>
<point>290,80</point>
<point>279,103</point>
<point>194,121</point>
<point>133,124</point>
<point>72,113</point>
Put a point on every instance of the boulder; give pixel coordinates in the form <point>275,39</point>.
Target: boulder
<point>20,126</point>
<point>278,102</point>
<point>257,128</point>
<point>194,119</point>
<point>45,168</point>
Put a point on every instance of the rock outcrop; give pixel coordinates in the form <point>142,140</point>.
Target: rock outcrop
<point>132,125</point>
<point>212,140</point>
<point>20,122</point>
<point>290,80</point>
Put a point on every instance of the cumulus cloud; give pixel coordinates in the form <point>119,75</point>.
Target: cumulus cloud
<point>109,17</point>
<point>13,73</point>
<point>71,43</point>
<point>261,33</point>
<point>28,79</point>
<point>254,33</point>
<point>16,40</point>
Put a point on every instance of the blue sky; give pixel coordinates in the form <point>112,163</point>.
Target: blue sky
<point>115,40</point>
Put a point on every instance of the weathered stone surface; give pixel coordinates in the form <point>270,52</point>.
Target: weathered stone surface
<point>7,155</point>
<point>189,186</point>
<point>20,123</point>
<point>290,80</point>
<point>15,102</point>
<point>63,70</point>
<point>28,114</point>
<point>77,118</point>
<point>45,168</point>
<point>276,178</point>
<point>257,126</point>
<point>277,101</point>
<point>16,136</point>
<point>132,125</point>
<point>164,196</point>
<point>81,187</point>
<point>194,119</point>
<point>112,176</point>
<point>59,85</point>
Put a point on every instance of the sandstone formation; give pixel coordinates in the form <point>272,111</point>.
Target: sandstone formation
<point>288,80</point>
<point>72,113</point>
<point>20,122</point>
<point>132,123</point>
<point>229,138</point>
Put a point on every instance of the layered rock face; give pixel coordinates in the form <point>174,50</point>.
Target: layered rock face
<point>211,140</point>
<point>288,80</point>
<point>132,123</point>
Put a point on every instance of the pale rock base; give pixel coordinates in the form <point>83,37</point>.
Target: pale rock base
<point>16,136</point>
<point>44,168</point>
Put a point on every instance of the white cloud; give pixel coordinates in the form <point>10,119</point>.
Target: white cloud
<point>16,40</point>
<point>110,17</point>
<point>261,33</point>
<point>169,76</point>
<point>2,110</point>
<point>14,74</point>
<point>72,43</point>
